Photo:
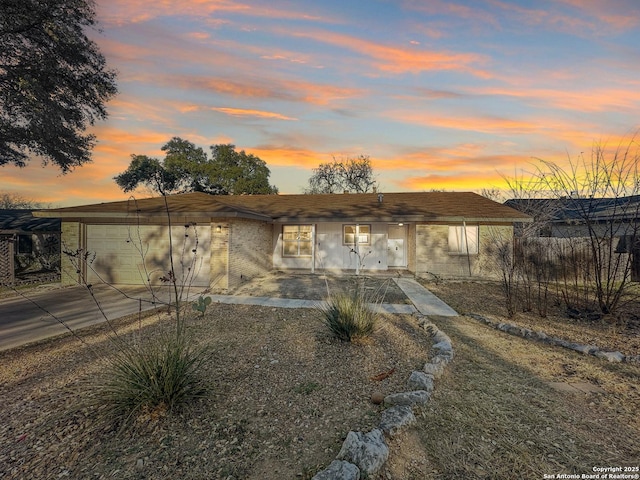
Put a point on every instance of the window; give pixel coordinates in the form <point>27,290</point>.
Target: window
<point>463,240</point>
<point>296,240</point>
<point>25,245</point>
<point>349,234</point>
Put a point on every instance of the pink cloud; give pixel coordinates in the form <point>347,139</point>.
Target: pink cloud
<point>242,112</point>
<point>396,60</point>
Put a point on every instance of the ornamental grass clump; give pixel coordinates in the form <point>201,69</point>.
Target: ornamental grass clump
<point>348,316</point>
<point>162,374</point>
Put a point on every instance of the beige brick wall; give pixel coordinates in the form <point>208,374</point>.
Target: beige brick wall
<point>250,250</point>
<point>433,257</point>
<point>70,243</point>
<point>411,248</point>
<point>240,251</point>
<point>220,255</point>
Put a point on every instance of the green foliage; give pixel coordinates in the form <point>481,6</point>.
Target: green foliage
<point>201,304</point>
<point>348,315</point>
<point>54,82</point>
<point>161,374</point>
<point>187,168</point>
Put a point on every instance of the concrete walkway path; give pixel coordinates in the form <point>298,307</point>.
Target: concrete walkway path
<point>24,320</point>
<point>423,301</point>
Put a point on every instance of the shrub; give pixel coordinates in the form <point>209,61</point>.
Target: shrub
<point>162,374</point>
<point>348,316</point>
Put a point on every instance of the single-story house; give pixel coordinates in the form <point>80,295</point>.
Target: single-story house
<point>24,236</point>
<point>573,217</point>
<point>220,241</point>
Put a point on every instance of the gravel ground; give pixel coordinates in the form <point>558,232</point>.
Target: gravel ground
<point>284,396</point>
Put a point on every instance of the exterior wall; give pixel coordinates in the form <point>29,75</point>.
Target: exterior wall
<point>332,254</point>
<point>281,262</point>
<point>433,256</point>
<point>250,247</point>
<point>6,258</point>
<point>70,243</point>
<point>411,248</point>
<point>220,255</point>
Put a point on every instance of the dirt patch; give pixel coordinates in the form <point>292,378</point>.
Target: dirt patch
<point>285,394</point>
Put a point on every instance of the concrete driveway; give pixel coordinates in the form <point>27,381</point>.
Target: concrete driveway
<point>29,318</point>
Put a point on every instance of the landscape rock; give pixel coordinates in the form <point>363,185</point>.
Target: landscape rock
<point>585,349</point>
<point>417,397</point>
<point>611,356</point>
<point>441,337</point>
<point>396,418</point>
<point>339,470</point>
<point>526,333</point>
<point>443,346</point>
<point>542,336</point>
<point>435,369</point>
<point>420,381</point>
<point>442,359</point>
<point>377,398</point>
<point>366,450</point>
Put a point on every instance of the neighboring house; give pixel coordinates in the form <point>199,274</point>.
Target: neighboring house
<point>240,237</point>
<point>617,219</point>
<point>25,239</point>
<point>572,217</point>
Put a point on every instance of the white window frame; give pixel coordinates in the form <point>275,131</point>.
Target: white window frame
<point>464,240</point>
<point>298,241</point>
<point>364,238</point>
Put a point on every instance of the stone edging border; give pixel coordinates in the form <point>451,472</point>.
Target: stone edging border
<point>368,452</point>
<point>544,338</point>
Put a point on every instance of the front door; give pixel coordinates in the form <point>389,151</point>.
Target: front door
<point>396,248</point>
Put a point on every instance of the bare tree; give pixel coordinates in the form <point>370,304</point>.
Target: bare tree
<point>492,193</point>
<point>601,196</point>
<point>16,201</point>
<point>349,174</point>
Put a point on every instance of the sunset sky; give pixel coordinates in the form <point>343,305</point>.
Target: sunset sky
<point>440,94</point>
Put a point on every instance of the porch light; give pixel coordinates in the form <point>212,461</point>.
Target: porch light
<point>400,224</point>
<point>219,228</point>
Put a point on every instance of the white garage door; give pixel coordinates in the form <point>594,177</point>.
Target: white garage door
<point>135,255</point>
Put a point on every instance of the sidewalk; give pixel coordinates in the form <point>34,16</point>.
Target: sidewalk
<point>33,317</point>
<point>423,301</point>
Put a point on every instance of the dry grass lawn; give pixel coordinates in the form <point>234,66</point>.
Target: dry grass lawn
<point>285,395</point>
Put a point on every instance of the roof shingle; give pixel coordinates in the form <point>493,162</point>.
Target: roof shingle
<point>411,206</point>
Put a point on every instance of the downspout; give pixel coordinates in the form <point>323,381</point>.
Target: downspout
<point>357,250</point>
<point>466,243</point>
<point>313,248</point>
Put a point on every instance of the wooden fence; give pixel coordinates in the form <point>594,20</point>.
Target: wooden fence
<point>574,258</point>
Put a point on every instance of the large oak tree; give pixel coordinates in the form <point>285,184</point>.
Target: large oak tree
<point>54,82</point>
<point>187,168</point>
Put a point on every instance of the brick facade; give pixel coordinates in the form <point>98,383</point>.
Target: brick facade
<point>433,256</point>
<point>70,243</point>
<point>240,250</point>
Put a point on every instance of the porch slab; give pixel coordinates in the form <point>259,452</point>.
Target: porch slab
<point>425,301</point>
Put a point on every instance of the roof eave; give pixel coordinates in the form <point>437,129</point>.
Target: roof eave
<point>83,216</point>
